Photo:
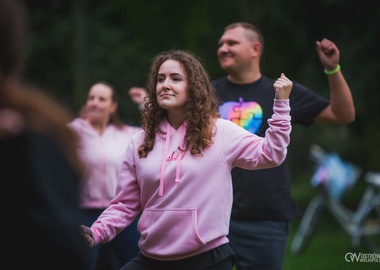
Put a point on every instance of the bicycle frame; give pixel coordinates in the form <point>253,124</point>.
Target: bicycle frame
<point>361,224</point>
<point>353,221</point>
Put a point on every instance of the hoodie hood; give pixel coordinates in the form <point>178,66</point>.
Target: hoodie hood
<point>167,133</point>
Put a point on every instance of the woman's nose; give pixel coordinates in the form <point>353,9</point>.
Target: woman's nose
<point>166,84</point>
<point>93,102</point>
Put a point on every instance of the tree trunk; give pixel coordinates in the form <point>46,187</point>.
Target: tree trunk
<point>80,63</point>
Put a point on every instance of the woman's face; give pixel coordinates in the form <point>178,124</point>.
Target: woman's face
<point>171,88</point>
<point>99,105</point>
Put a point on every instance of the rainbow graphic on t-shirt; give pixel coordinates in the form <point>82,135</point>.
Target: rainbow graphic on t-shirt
<point>248,115</point>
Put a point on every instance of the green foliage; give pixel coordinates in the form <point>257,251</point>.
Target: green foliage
<point>76,43</point>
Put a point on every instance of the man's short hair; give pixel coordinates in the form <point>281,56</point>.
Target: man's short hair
<point>253,32</point>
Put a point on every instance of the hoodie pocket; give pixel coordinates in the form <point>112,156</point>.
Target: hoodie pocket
<point>168,232</point>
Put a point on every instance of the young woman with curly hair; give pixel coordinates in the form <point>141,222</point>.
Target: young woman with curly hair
<point>200,110</point>
<point>177,170</point>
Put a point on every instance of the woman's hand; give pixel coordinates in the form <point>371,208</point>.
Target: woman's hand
<point>138,95</point>
<point>282,87</point>
<point>11,123</point>
<point>87,235</point>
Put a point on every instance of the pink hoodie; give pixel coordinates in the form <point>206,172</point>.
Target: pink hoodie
<point>102,156</point>
<point>186,200</point>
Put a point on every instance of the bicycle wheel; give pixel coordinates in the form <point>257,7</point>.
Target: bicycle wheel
<point>371,227</point>
<point>309,222</point>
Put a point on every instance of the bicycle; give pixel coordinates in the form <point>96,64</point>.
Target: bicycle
<point>362,225</point>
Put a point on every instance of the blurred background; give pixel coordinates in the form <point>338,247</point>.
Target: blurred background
<point>76,43</point>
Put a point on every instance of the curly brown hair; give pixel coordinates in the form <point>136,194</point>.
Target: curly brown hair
<point>201,105</point>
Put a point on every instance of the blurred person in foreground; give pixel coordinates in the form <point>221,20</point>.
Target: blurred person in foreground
<point>40,169</point>
<point>263,204</point>
<point>104,138</point>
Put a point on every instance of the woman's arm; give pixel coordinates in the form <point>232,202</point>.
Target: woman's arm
<point>123,208</point>
<point>246,150</point>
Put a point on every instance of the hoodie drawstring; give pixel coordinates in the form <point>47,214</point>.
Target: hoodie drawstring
<point>179,160</point>
<point>163,165</point>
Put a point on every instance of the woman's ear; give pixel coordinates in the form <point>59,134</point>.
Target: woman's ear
<point>113,107</point>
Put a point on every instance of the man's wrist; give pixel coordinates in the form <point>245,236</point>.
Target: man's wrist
<point>330,72</point>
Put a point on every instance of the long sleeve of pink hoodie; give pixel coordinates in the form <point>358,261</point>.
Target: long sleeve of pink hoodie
<point>186,200</point>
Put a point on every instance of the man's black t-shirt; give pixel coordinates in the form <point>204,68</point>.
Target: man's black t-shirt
<point>264,194</point>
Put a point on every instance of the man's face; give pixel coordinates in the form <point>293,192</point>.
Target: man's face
<point>235,50</point>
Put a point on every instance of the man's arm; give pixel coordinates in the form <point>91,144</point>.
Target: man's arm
<point>341,109</point>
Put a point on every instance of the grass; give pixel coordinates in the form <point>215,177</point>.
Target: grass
<point>326,250</point>
<point>330,243</point>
